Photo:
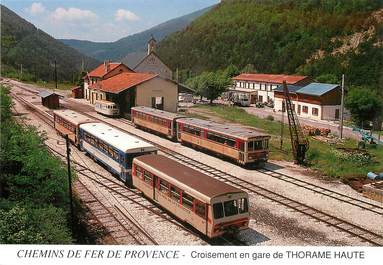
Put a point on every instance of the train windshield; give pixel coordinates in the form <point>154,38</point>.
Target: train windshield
<point>230,208</point>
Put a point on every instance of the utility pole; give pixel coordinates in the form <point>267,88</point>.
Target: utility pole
<point>69,179</point>
<point>55,74</point>
<point>21,71</point>
<point>342,109</point>
<point>282,123</point>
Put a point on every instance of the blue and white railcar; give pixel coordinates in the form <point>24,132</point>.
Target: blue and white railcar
<point>113,148</point>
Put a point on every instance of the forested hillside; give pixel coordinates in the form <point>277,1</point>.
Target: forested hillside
<point>135,43</point>
<point>320,38</point>
<point>23,43</point>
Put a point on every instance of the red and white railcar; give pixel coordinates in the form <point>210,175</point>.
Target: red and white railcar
<point>241,144</point>
<point>158,121</point>
<point>211,206</point>
<point>67,122</point>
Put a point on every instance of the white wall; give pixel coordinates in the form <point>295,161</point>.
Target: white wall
<point>324,112</point>
<point>263,89</point>
<point>329,112</point>
<point>86,90</point>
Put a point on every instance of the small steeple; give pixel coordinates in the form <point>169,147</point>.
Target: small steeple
<point>152,43</point>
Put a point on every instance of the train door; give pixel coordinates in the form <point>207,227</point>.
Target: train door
<point>155,185</point>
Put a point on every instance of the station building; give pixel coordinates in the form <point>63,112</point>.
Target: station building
<point>260,87</point>
<point>102,72</point>
<point>316,101</point>
<point>129,89</point>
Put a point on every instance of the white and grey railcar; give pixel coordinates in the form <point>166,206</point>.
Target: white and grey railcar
<point>113,148</point>
<point>107,108</point>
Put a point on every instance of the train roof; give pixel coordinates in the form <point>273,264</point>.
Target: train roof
<point>73,116</point>
<point>118,139</point>
<point>235,131</point>
<point>158,113</point>
<point>197,181</point>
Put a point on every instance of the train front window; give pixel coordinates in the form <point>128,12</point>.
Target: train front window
<point>243,206</point>
<point>218,210</point>
<point>231,207</point>
<point>258,145</point>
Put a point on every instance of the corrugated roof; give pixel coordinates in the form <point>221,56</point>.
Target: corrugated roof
<point>45,93</point>
<point>292,88</point>
<point>193,179</point>
<point>271,78</point>
<point>317,89</point>
<point>122,81</point>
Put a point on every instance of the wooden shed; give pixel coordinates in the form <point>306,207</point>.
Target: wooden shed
<point>78,92</point>
<point>50,99</point>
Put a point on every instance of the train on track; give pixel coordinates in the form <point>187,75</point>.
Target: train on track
<point>105,144</point>
<point>245,146</point>
<point>107,108</point>
<point>212,207</point>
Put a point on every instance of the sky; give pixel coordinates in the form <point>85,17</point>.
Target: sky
<point>103,21</point>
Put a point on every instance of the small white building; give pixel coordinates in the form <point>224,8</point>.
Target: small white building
<point>261,86</point>
<point>316,101</point>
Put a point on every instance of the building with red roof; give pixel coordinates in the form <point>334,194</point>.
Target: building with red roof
<point>262,86</point>
<point>103,71</point>
<point>130,89</point>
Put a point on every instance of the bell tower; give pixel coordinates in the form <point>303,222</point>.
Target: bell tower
<point>152,43</point>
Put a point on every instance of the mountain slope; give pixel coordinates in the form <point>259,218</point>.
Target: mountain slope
<point>133,43</point>
<point>23,43</point>
<point>280,36</point>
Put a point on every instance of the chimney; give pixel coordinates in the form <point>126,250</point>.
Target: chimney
<point>105,67</point>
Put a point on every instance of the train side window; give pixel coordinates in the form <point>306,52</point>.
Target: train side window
<point>164,186</point>
<point>175,193</point>
<point>187,200</point>
<point>243,206</point>
<point>231,207</point>
<point>218,210</point>
<point>138,171</point>
<point>200,208</point>
<point>147,177</point>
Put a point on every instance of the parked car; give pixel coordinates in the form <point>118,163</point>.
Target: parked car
<point>185,97</point>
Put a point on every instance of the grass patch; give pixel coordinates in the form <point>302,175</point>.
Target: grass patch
<point>52,85</point>
<point>326,158</point>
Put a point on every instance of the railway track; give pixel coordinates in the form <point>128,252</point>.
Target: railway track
<point>114,221</point>
<point>137,198</point>
<point>333,221</point>
<point>316,214</point>
<point>365,205</point>
<point>133,196</point>
<point>312,187</point>
<point>324,191</point>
